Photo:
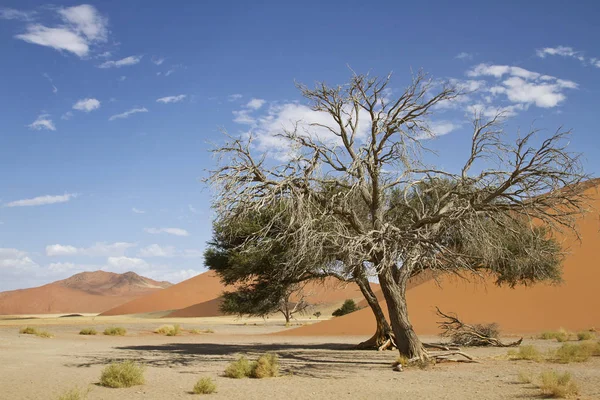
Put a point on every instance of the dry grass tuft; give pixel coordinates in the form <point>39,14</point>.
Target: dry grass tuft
<point>115,331</point>
<point>44,334</point>
<point>199,331</point>
<point>88,331</point>
<point>557,385</point>
<point>121,375</point>
<point>28,331</point>
<point>527,352</point>
<point>585,335</point>
<point>238,369</point>
<point>169,330</point>
<point>568,353</point>
<point>561,335</point>
<point>267,366</point>
<point>525,377</point>
<point>205,386</point>
<point>75,394</point>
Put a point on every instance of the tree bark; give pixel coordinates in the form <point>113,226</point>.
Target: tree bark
<point>384,330</point>
<point>394,291</point>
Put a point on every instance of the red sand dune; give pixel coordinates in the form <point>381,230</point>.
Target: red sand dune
<point>573,305</point>
<point>87,292</point>
<point>329,292</point>
<point>201,288</point>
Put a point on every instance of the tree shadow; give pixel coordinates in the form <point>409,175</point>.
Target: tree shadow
<point>315,360</point>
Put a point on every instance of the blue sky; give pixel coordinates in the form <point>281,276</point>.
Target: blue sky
<point>109,108</point>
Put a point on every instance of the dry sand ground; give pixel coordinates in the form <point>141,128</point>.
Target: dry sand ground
<point>312,367</point>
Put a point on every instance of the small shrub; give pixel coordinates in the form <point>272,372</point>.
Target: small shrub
<point>205,386</point>
<point>557,385</point>
<point>267,366</point>
<point>348,307</point>
<point>198,331</point>
<point>585,335</point>
<point>525,377</point>
<point>88,331</point>
<point>169,330</point>
<point>238,369</point>
<point>121,375</point>
<point>568,353</point>
<point>526,353</point>
<point>74,394</point>
<point>317,314</point>
<point>28,331</point>
<point>561,335</point>
<point>401,360</point>
<point>115,331</point>
<point>44,334</point>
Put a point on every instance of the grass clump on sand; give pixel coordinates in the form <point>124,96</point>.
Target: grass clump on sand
<point>527,352</point>
<point>44,334</point>
<point>557,385</point>
<point>525,377</point>
<point>88,331</point>
<point>568,353</point>
<point>239,368</point>
<point>74,394</point>
<point>28,331</point>
<point>121,375</point>
<point>585,335</point>
<point>199,331</point>
<point>169,330</point>
<point>205,386</point>
<point>267,366</point>
<point>115,331</point>
<point>561,335</point>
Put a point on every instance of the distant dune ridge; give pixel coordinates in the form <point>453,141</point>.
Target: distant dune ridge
<point>86,292</point>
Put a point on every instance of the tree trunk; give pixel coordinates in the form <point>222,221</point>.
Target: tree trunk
<point>394,290</point>
<point>383,332</point>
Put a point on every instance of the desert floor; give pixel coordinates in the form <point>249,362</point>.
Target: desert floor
<point>311,367</point>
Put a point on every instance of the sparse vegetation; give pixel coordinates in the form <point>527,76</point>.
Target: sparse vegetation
<point>44,334</point>
<point>317,314</point>
<point>557,385</point>
<point>568,353</point>
<point>525,377</point>
<point>585,335</point>
<point>401,360</point>
<point>561,335</point>
<point>115,331</point>
<point>199,331</point>
<point>74,394</point>
<point>527,352</point>
<point>238,369</point>
<point>205,386</point>
<point>88,331</point>
<point>169,330</point>
<point>348,307</point>
<point>267,366</point>
<point>121,375</point>
<point>28,331</point>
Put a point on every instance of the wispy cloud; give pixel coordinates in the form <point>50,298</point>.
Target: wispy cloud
<point>11,13</point>
<point>158,60</point>
<point>138,211</point>
<point>126,114</point>
<point>98,249</point>
<point>66,116</point>
<point>170,231</point>
<point>131,60</point>
<point>54,88</point>
<point>255,104</point>
<point>464,56</point>
<point>43,121</point>
<point>42,200</point>
<point>155,250</point>
<point>171,99</point>
<point>82,27</point>
<point>569,52</point>
<point>234,97</point>
<point>87,105</point>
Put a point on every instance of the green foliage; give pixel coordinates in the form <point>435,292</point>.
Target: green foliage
<point>115,331</point>
<point>121,375</point>
<point>205,386</point>
<point>348,307</point>
<point>88,331</point>
<point>557,385</point>
<point>267,366</point>
<point>28,331</point>
<point>75,394</point>
<point>238,369</point>
<point>526,352</point>
<point>585,335</point>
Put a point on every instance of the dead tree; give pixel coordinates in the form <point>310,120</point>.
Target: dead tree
<point>503,205</point>
<point>462,334</point>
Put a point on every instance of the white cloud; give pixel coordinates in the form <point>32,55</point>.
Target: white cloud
<point>158,60</point>
<point>255,104</point>
<point>131,60</point>
<point>154,250</point>
<point>562,51</point>
<point>490,111</point>
<point>54,88</point>
<point>87,105</point>
<point>524,87</point>
<point>11,13</point>
<point>42,122</point>
<point>173,276</point>
<point>97,250</point>
<point>170,231</point>
<point>125,264</point>
<point>66,116</point>
<point>234,97</point>
<point>61,267</point>
<point>138,211</point>
<point>464,56</point>
<point>126,114</point>
<point>15,259</point>
<point>42,200</point>
<point>171,99</point>
<point>439,128</point>
<point>82,27</point>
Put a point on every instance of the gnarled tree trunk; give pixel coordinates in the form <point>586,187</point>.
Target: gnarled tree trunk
<point>383,332</point>
<point>394,290</point>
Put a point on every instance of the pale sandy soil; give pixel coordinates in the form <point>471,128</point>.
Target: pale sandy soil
<point>312,367</point>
